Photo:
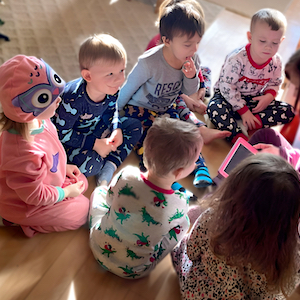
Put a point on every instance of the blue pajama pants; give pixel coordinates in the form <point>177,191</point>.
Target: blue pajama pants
<point>147,117</point>
<point>90,162</point>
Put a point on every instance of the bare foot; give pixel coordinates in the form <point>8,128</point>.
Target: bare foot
<point>194,103</point>
<point>201,109</point>
<point>210,134</point>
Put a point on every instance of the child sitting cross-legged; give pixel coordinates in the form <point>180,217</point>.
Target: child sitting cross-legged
<point>195,101</point>
<point>95,137</point>
<point>138,220</point>
<point>250,79</point>
<point>38,189</point>
<point>167,71</point>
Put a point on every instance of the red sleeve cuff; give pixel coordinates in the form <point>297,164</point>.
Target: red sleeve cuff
<point>243,110</point>
<point>272,92</point>
<point>200,75</point>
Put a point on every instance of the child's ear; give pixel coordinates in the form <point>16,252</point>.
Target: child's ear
<point>165,41</point>
<point>86,75</point>
<point>177,173</point>
<point>249,36</point>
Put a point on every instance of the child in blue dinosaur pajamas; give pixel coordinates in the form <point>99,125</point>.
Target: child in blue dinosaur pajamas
<point>250,79</point>
<point>95,138</point>
<point>167,71</point>
<point>139,219</point>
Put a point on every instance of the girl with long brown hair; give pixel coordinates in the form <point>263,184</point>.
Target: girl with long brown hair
<point>244,246</point>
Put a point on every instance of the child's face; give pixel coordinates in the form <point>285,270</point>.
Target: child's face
<point>264,42</point>
<point>50,110</point>
<point>294,77</point>
<point>183,47</point>
<point>106,78</point>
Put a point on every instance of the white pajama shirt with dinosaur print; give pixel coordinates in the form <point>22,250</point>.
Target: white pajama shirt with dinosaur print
<point>134,223</point>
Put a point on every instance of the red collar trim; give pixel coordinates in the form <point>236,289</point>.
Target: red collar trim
<point>155,187</point>
<point>253,63</point>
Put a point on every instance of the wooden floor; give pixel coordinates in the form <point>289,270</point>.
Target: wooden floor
<point>61,265</point>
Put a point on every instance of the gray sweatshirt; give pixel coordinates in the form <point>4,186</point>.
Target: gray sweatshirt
<point>154,84</point>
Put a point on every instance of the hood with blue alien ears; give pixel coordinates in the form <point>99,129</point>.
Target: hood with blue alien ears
<point>28,86</point>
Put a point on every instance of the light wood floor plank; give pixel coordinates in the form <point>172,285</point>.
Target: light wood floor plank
<point>27,260</point>
<point>61,272</point>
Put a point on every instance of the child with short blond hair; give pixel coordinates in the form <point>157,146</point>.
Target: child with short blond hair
<point>95,138</point>
<point>250,79</point>
<point>100,47</point>
<point>139,220</point>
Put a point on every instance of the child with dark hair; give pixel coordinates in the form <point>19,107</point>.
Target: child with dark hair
<point>292,70</point>
<point>245,244</point>
<point>195,101</point>
<point>166,71</point>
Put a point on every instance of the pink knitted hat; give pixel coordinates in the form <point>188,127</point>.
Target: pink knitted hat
<point>28,86</point>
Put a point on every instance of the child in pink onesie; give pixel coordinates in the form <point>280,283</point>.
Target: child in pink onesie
<point>38,190</point>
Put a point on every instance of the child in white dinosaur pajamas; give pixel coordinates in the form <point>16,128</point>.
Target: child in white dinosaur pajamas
<point>139,219</point>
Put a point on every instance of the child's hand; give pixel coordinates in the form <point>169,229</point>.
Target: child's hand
<point>201,94</point>
<point>116,139</point>
<point>188,68</point>
<point>190,102</point>
<point>263,102</point>
<point>74,190</point>
<point>249,120</point>
<point>268,148</point>
<point>197,96</point>
<point>103,147</point>
<point>72,172</point>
